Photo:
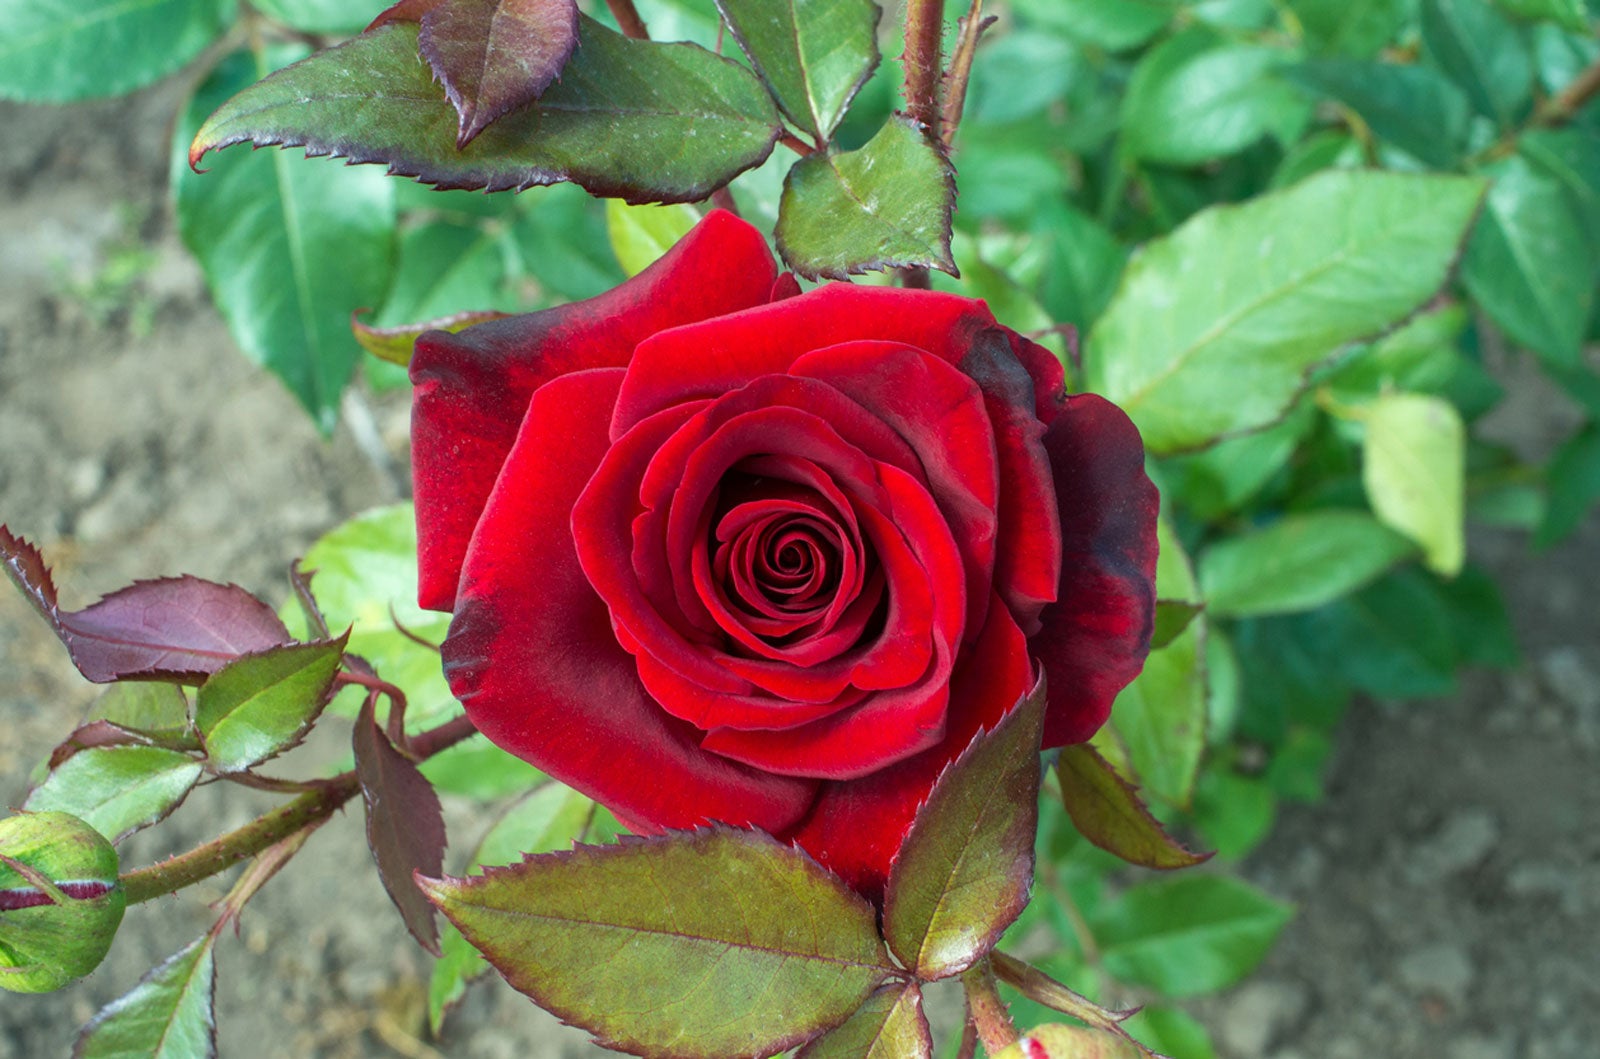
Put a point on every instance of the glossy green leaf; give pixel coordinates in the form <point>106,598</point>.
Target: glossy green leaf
<point>813,55</point>
<point>365,579</point>
<point>886,205</point>
<point>322,16</point>
<point>1414,469</point>
<point>1215,325</point>
<point>1188,935</point>
<point>289,249</point>
<point>1105,808</point>
<point>616,123</point>
<point>159,710</point>
<point>965,868</point>
<point>640,234</point>
<point>1356,28</point>
<point>1297,563</point>
<point>1574,478</point>
<point>1171,1032</point>
<point>476,768</point>
<point>708,943</point>
<point>262,704</point>
<point>1530,265</point>
<point>1413,108</point>
<point>170,1014</point>
<point>54,51</point>
<point>1196,97</point>
<point>1219,480</point>
<point>890,1025</point>
<point>1483,53</point>
<point>1572,158</point>
<point>1569,14</point>
<point>1115,25</point>
<point>1160,718</point>
<point>118,789</point>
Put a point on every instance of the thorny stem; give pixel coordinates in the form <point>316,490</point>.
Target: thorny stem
<point>955,99</point>
<point>924,24</point>
<point>307,811</point>
<point>985,1010</point>
<point>628,19</point>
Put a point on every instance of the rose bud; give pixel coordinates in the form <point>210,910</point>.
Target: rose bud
<point>718,550</point>
<point>1070,1042</point>
<point>60,900</point>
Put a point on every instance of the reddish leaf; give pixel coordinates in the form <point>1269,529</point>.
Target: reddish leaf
<point>1107,810</point>
<point>493,56</point>
<point>966,866</point>
<point>179,629</point>
<point>405,826</point>
<point>890,1025</point>
<point>404,11</point>
<point>99,733</point>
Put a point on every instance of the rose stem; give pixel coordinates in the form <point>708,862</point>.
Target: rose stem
<point>628,19</point>
<point>308,810</point>
<point>988,1011</point>
<point>969,1036</point>
<point>972,27</point>
<point>924,23</point>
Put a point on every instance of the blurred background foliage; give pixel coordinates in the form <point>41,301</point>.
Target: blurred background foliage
<point>1304,342</point>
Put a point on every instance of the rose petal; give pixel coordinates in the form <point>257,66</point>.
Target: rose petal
<point>472,387</point>
<point>1094,640</point>
<point>856,827</point>
<point>532,656</point>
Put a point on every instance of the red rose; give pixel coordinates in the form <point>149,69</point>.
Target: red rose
<point>718,550</point>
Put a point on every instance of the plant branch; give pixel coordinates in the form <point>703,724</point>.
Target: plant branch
<point>628,19</point>
<point>1036,985</point>
<point>955,99</point>
<point>1571,99</point>
<point>307,811</point>
<point>986,1011</point>
<point>924,24</point>
<point>795,144</point>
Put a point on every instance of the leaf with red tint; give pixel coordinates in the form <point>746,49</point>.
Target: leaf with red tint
<point>394,343</point>
<point>405,826</point>
<point>890,1025</point>
<point>493,56</point>
<point>966,866</point>
<point>1107,810</point>
<point>106,733</point>
<point>178,629</point>
<point>404,11</point>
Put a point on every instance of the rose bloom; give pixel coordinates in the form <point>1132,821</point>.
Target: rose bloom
<point>718,550</point>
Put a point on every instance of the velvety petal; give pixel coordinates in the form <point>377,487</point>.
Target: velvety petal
<point>1095,637</point>
<point>532,656</point>
<point>856,827</point>
<point>472,387</point>
<point>715,356</point>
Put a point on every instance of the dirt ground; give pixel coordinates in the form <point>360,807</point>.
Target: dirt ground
<point>1448,888</point>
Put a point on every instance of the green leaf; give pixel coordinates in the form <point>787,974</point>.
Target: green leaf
<point>616,123</point>
<point>1196,97</point>
<point>117,789</point>
<point>707,943</point>
<point>1393,639</point>
<point>1188,935</point>
<point>1297,766</point>
<point>1574,484</point>
<point>965,868</point>
<point>1115,25</point>
<point>813,55</point>
<point>394,344</point>
<point>1220,480</point>
<point>1172,617</point>
<point>1569,14</point>
<point>1413,108</point>
<point>1572,158</point>
<point>157,710</point>
<point>890,1025</point>
<point>1483,53</point>
<point>1107,811</point>
<point>1298,563</point>
<point>886,205</point>
<point>1414,470</point>
<point>1082,262</point>
<point>1160,718</point>
<point>1530,265</point>
<point>168,1015</point>
<point>1421,356</point>
<point>262,704</point>
<point>1356,28</point>
<point>365,578</point>
<point>321,16</point>
<point>1234,813</point>
<point>476,768</point>
<point>55,51</point>
<point>289,249</point>
<point>457,967</point>
<point>1171,1032</point>
<point>640,234</point>
<point>1214,326</point>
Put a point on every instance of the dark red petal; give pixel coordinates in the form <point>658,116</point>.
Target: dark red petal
<point>472,387</point>
<point>532,656</point>
<point>692,702</point>
<point>1096,635</point>
<point>715,356</point>
<point>1049,376</point>
<point>1028,556</point>
<point>857,826</point>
